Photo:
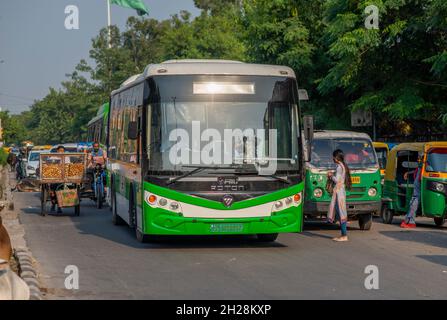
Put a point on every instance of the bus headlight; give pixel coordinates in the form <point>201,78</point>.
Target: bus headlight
<point>318,193</point>
<point>174,206</point>
<point>163,202</point>
<point>278,204</point>
<point>372,192</point>
<point>285,203</point>
<point>155,201</point>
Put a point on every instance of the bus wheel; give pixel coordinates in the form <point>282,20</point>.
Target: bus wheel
<point>365,221</point>
<point>116,219</point>
<point>267,237</point>
<point>439,222</point>
<point>387,215</point>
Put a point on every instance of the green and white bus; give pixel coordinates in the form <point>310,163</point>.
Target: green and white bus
<point>168,130</point>
<point>97,127</point>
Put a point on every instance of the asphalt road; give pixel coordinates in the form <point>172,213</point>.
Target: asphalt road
<point>113,265</point>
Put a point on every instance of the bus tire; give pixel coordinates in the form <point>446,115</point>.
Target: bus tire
<point>387,215</point>
<point>116,219</point>
<point>439,221</point>
<point>271,237</point>
<point>365,221</point>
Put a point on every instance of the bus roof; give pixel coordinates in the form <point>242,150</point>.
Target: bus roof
<point>340,134</point>
<point>100,114</point>
<point>208,67</point>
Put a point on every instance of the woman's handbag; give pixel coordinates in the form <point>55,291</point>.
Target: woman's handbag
<point>330,185</point>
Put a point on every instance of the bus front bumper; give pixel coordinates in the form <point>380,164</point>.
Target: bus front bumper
<point>164,223</point>
<point>314,208</point>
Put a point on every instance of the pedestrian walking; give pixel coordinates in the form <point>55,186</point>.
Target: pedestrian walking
<point>410,222</point>
<point>342,181</point>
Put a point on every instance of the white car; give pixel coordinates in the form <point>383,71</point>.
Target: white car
<point>33,162</point>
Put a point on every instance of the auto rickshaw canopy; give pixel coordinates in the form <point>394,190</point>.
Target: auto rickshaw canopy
<point>381,145</point>
<point>421,147</point>
<point>390,174</point>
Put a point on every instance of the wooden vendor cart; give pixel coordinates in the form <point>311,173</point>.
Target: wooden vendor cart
<point>61,174</point>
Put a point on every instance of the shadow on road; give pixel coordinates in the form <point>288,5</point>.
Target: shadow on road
<point>432,238</point>
<point>99,223</point>
<point>441,260</point>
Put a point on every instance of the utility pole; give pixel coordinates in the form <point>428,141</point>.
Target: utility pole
<point>109,23</point>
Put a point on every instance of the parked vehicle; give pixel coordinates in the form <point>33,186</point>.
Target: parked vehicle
<point>33,163</point>
<point>402,161</point>
<point>364,198</point>
<point>382,149</point>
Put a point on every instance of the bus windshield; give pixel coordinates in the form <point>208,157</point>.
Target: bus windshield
<point>437,160</point>
<point>359,153</point>
<point>223,121</point>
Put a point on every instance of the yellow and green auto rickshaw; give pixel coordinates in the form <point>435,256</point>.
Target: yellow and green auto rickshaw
<point>382,150</point>
<point>399,179</point>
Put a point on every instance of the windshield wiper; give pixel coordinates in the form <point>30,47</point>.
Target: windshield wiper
<point>278,178</point>
<point>196,170</point>
<point>274,176</point>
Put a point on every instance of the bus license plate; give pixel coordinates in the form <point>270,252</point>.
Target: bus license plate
<point>355,180</point>
<point>226,228</point>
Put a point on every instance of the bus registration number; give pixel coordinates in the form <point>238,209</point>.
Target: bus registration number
<point>355,180</point>
<point>226,227</point>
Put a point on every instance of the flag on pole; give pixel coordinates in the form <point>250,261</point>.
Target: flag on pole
<point>133,4</point>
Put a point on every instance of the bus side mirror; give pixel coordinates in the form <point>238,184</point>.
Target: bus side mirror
<point>132,130</point>
<point>308,124</point>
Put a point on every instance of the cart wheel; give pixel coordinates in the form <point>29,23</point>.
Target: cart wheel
<point>78,207</point>
<point>77,210</point>
<point>43,200</point>
<point>99,199</point>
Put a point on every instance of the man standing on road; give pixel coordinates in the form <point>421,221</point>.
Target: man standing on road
<point>410,222</point>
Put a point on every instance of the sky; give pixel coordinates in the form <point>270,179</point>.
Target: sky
<point>37,51</point>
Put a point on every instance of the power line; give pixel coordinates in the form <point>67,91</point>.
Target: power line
<point>17,97</point>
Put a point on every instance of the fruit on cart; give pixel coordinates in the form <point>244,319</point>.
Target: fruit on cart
<point>51,171</point>
<point>74,170</point>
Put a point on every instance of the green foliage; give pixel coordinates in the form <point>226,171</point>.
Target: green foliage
<point>3,157</point>
<point>399,71</point>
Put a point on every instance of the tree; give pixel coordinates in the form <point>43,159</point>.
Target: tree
<point>397,70</point>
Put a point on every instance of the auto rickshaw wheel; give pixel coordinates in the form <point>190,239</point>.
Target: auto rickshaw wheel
<point>365,221</point>
<point>43,200</point>
<point>439,222</point>
<point>387,215</point>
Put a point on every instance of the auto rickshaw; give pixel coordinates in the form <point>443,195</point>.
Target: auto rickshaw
<point>382,150</point>
<point>363,200</point>
<point>399,179</point>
